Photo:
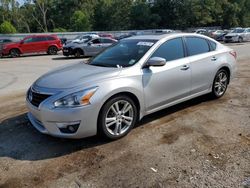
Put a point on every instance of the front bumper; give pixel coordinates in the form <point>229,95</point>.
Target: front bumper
<point>231,39</point>
<point>46,119</point>
<point>67,51</point>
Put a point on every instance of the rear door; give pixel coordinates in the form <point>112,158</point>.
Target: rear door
<point>41,44</point>
<point>203,58</point>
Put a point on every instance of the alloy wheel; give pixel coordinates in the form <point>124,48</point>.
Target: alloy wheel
<point>119,117</point>
<point>220,84</point>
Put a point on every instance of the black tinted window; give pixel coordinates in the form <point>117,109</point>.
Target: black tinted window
<point>196,45</point>
<point>170,50</point>
<point>96,41</point>
<point>6,40</point>
<point>106,41</point>
<point>39,39</point>
<point>50,38</point>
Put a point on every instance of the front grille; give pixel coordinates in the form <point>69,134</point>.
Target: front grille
<point>37,98</point>
<point>228,37</point>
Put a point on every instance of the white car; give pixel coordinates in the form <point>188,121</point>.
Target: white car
<point>238,35</point>
<point>129,80</point>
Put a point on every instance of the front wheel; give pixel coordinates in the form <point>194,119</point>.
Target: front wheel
<point>240,40</point>
<point>52,50</point>
<point>220,84</point>
<point>14,53</point>
<point>117,117</point>
<point>78,53</point>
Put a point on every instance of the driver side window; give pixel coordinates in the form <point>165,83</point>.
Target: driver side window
<point>170,50</point>
<point>96,41</point>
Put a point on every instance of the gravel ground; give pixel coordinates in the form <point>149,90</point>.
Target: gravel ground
<point>199,143</point>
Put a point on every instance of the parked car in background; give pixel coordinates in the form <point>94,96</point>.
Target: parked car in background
<point>238,35</point>
<point>108,35</point>
<point>88,48</point>
<point>218,35</point>
<point>201,31</point>
<point>63,40</point>
<point>84,38</point>
<point>4,41</point>
<point>50,44</point>
<point>133,78</point>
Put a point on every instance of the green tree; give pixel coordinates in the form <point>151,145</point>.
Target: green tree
<point>142,17</point>
<point>80,21</point>
<point>6,28</point>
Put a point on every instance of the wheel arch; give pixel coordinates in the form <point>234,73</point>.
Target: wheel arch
<point>53,45</point>
<point>129,94</point>
<point>81,50</point>
<point>227,69</point>
<point>15,48</point>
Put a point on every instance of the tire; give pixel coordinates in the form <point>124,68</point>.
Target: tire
<point>240,40</point>
<point>78,53</point>
<point>14,53</point>
<point>220,84</point>
<point>52,50</point>
<point>114,121</point>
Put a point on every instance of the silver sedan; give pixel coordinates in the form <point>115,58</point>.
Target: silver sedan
<point>136,77</point>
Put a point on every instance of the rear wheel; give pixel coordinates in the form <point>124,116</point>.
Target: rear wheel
<point>52,50</point>
<point>220,84</point>
<point>240,39</point>
<point>117,117</point>
<point>14,53</point>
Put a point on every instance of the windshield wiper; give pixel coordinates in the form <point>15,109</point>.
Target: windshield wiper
<point>102,65</point>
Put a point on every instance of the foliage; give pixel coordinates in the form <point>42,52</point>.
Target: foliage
<point>59,30</point>
<point>80,21</point>
<point>86,15</point>
<point>6,28</point>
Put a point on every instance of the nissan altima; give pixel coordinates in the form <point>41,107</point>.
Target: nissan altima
<point>135,77</point>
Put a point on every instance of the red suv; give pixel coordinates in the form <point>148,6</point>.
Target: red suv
<point>33,44</point>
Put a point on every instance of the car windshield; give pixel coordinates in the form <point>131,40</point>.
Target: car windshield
<point>123,54</point>
<point>238,31</point>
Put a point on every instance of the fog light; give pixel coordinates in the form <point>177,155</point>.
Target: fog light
<point>68,127</point>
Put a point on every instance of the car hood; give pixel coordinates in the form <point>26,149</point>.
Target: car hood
<point>75,75</point>
<point>74,45</point>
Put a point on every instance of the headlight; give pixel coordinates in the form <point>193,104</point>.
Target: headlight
<point>79,98</point>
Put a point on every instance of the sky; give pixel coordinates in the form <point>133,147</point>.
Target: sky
<point>20,1</point>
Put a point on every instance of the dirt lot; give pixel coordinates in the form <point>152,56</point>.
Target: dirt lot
<point>199,143</point>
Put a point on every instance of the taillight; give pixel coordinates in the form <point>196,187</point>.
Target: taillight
<point>234,54</point>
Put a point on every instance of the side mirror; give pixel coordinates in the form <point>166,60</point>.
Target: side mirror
<point>155,62</point>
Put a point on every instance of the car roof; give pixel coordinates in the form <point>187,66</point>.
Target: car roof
<point>159,37</point>
<point>48,35</point>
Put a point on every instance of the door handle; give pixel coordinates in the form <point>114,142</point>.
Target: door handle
<point>185,67</point>
<point>214,59</point>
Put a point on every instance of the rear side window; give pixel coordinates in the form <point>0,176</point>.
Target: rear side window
<point>212,45</point>
<point>40,39</point>
<point>50,38</point>
<point>107,41</point>
<point>170,50</point>
<point>196,45</point>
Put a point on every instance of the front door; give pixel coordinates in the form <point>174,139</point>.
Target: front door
<point>171,82</point>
